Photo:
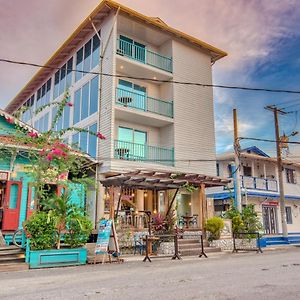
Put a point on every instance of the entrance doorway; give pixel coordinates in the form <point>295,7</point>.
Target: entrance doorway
<point>11,191</point>
<point>270,219</point>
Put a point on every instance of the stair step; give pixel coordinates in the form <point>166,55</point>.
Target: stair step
<point>5,248</point>
<point>9,267</point>
<point>11,259</point>
<point>11,252</point>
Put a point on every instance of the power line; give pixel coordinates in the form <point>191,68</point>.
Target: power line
<point>155,80</point>
<point>267,140</point>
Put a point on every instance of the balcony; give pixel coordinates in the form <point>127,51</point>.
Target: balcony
<point>144,56</point>
<point>256,183</point>
<point>142,102</point>
<point>143,153</point>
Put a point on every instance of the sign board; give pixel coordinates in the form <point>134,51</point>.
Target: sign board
<point>3,175</point>
<point>226,232</point>
<point>104,232</point>
<point>272,203</point>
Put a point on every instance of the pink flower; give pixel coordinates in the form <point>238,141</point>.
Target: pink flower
<point>57,152</point>
<point>10,120</point>
<point>70,104</point>
<point>33,134</point>
<point>49,157</point>
<point>101,136</point>
<point>42,152</point>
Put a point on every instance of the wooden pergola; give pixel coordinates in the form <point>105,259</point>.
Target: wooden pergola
<point>161,181</point>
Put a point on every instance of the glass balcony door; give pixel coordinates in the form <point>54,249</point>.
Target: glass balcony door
<point>132,95</point>
<point>132,144</point>
<point>131,48</point>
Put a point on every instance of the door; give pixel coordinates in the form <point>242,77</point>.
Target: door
<point>11,211</point>
<point>31,205</point>
<point>270,219</point>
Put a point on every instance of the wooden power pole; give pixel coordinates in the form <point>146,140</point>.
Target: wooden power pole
<point>277,111</point>
<point>237,175</point>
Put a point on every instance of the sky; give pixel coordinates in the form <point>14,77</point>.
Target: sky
<point>261,37</point>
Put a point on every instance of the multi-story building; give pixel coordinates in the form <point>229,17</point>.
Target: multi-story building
<point>127,66</point>
<point>259,186</point>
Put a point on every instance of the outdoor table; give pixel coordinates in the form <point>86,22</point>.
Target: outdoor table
<point>187,220</point>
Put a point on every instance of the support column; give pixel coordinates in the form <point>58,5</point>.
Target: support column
<point>100,199</point>
<point>139,207</point>
<point>111,203</point>
<point>203,208</point>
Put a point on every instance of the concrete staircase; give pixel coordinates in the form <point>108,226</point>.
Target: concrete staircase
<point>12,258</point>
<point>192,247</point>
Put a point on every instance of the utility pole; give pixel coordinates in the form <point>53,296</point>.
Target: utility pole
<point>277,111</point>
<point>237,175</point>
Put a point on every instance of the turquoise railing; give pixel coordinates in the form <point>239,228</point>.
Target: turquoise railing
<point>143,102</point>
<point>143,152</point>
<point>144,55</point>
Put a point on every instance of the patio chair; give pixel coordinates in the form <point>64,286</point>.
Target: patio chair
<point>138,243</point>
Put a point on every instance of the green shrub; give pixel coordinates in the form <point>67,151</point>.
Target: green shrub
<point>214,225</point>
<point>247,221</point>
<point>41,230</point>
<point>79,229</point>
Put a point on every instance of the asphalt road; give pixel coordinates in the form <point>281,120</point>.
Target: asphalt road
<point>271,275</point>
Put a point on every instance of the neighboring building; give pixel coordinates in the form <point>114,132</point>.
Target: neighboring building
<point>148,124</point>
<point>17,201</point>
<point>259,186</point>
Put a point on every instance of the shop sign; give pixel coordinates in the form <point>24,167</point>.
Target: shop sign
<point>3,175</point>
<point>272,203</point>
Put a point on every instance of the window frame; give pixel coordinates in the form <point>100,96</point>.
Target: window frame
<point>289,214</point>
<point>291,176</point>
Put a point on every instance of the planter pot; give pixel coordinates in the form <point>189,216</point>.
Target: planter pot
<point>56,258</point>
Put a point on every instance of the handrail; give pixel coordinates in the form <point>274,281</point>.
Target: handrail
<point>143,55</point>
<point>143,152</point>
<point>144,102</point>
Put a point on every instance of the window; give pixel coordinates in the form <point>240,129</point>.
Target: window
<point>136,93</point>
<point>86,142</point>
<point>247,171</point>
<point>133,141</point>
<point>63,78</point>
<point>64,121</point>
<point>289,217</point>
<point>28,109</point>
<point>290,176</point>
<point>218,169</point>
<point>88,56</point>
<point>43,94</point>
<point>42,124</point>
<point>86,100</point>
<point>132,49</point>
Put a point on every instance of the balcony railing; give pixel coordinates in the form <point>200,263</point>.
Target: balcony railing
<point>256,183</point>
<point>143,102</point>
<point>143,55</point>
<point>143,152</point>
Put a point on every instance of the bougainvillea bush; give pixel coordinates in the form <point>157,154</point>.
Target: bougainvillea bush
<point>53,162</point>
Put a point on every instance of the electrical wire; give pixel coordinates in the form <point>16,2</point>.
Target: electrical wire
<point>155,80</point>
